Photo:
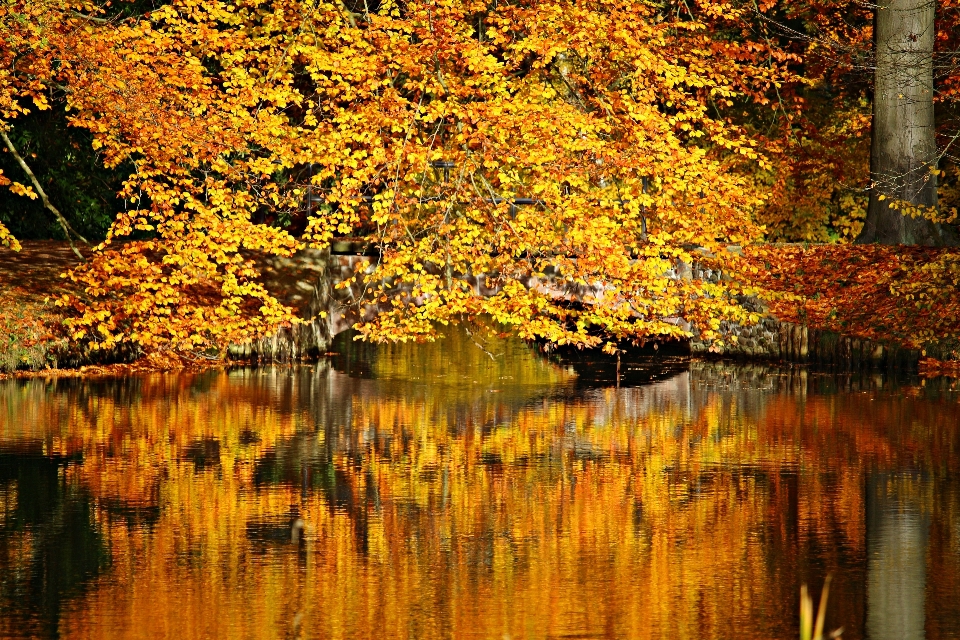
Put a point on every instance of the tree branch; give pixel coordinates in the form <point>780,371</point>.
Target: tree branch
<point>67,229</point>
<point>349,15</point>
<point>77,14</point>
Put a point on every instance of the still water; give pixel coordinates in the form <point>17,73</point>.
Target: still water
<point>449,491</point>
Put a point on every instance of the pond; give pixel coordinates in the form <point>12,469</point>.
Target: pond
<point>473,488</point>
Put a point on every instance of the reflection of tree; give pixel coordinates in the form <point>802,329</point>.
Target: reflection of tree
<point>897,535</point>
<point>692,507</point>
<point>49,544</point>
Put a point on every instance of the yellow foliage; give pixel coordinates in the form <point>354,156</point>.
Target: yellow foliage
<point>7,239</point>
<point>23,190</point>
<point>819,173</point>
<point>420,128</point>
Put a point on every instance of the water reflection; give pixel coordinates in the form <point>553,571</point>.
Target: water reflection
<point>48,537</point>
<point>474,489</point>
<point>897,536</point>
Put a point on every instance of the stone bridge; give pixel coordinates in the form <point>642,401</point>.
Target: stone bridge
<point>308,282</point>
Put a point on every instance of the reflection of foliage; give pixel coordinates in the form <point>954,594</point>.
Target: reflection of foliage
<point>475,355</point>
<point>687,503</point>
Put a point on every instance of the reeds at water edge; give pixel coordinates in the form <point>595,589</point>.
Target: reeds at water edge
<point>811,629</point>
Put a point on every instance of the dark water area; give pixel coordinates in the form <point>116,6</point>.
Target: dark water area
<point>474,488</point>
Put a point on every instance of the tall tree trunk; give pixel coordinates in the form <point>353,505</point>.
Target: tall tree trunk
<point>904,148</point>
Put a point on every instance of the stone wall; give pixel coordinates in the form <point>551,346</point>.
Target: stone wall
<point>326,287</point>
<point>773,339</point>
<point>312,281</point>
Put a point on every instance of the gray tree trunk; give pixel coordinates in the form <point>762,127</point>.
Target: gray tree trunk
<point>904,147</point>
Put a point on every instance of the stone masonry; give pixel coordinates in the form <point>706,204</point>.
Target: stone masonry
<point>312,281</point>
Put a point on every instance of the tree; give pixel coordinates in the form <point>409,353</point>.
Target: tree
<point>68,190</point>
<point>236,113</point>
<point>420,126</point>
<point>904,151</point>
<point>816,131</point>
<point>68,168</point>
<point>25,71</point>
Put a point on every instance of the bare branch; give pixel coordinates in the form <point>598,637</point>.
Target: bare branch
<point>67,229</point>
<point>77,14</point>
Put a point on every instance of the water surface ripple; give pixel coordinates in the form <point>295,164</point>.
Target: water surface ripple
<point>454,491</point>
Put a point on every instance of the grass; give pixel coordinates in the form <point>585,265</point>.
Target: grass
<point>32,336</point>
<point>812,628</point>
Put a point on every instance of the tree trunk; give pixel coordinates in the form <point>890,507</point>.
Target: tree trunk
<point>904,147</point>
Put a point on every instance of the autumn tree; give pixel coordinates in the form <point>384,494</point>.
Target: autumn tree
<point>58,187</point>
<point>862,97</point>
<point>242,112</point>
<point>816,132</point>
<point>507,141</point>
<point>26,29</point>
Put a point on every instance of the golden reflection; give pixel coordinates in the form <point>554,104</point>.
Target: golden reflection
<point>453,494</point>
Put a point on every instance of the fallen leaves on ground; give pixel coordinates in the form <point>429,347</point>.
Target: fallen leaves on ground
<point>895,294</point>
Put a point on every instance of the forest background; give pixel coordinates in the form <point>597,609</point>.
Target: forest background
<point>180,139</point>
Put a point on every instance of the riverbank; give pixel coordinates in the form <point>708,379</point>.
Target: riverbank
<point>864,299</point>
<point>859,301</point>
<point>31,325</point>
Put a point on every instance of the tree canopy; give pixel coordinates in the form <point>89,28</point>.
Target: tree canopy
<point>595,144</point>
